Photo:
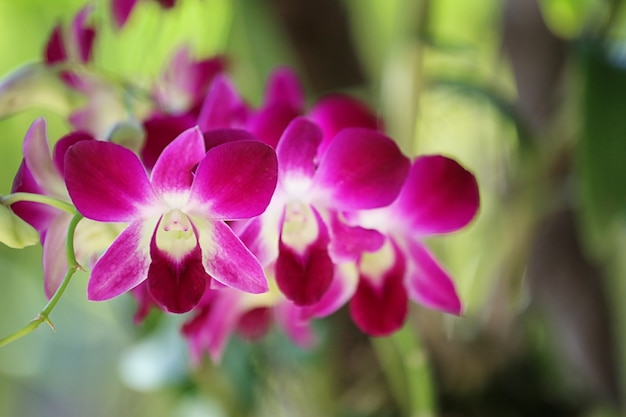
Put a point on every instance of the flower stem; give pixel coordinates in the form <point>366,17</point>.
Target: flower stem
<point>407,368</point>
<point>44,314</point>
<point>7,200</point>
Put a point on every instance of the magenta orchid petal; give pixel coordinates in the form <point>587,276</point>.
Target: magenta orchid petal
<point>160,131</point>
<point>83,35</point>
<point>235,180</point>
<point>304,274</point>
<point>269,123</point>
<point>361,169</point>
<point>121,10</point>
<point>107,182</point>
<point>37,215</point>
<point>337,112</point>
<point>58,154</point>
<point>54,259</point>
<point>55,48</point>
<point>144,302</point>
<point>125,264</point>
<point>297,150</point>
<point>222,107</point>
<point>192,77</point>
<point>429,284</point>
<point>439,196</point>
<point>304,278</point>
<point>254,323</point>
<point>211,328</point>
<point>379,311</point>
<point>177,285</point>
<point>341,290</point>
<point>251,234</point>
<point>380,305</point>
<point>284,87</point>
<point>217,137</point>
<point>38,158</point>
<point>349,242</point>
<point>227,260</point>
<point>173,171</point>
<point>202,73</point>
<point>289,317</point>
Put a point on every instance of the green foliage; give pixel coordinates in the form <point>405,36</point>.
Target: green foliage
<point>602,147</point>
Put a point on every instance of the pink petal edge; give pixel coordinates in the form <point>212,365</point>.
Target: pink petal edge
<point>125,263</point>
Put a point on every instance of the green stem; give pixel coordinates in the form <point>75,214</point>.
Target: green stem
<point>44,314</point>
<point>7,200</point>
<point>407,368</point>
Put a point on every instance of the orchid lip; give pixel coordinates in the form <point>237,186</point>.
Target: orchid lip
<point>175,234</point>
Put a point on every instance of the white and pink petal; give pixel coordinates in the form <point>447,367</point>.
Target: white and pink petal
<point>54,258</point>
<point>38,159</point>
<point>428,283</point>
<point>226,259</point>
<point>125,264</point>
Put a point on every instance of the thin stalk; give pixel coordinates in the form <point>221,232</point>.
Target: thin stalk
<point>44,314</point>
<point>7,200</point>
<point>406,365</point>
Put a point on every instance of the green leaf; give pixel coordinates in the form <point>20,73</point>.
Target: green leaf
<point>15,232</point>
<point>35,85</point>
<point>567,18</point>
<point>602,148</point>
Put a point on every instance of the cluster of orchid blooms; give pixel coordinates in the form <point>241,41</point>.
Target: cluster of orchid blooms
<point>240,216</point>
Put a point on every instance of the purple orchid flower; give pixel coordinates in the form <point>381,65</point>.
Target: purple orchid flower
<point>285,100</point>
<point>225,312</point>
<point>223,107</point>
<point>359,169</point>
<point>176,239</point>
<point>77,45</point>
<point>439,196</point>
<point>41,172</point>
<point>186,81</point>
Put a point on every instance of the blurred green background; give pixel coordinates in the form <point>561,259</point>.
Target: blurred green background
<point>530,96</point>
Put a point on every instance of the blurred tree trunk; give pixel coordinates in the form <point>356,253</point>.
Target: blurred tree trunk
<point>319,33</point>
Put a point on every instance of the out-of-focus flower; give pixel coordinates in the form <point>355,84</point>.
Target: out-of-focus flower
<point>74,45</point>
<point>439,196</point>
<point>284,101</point>
<point>177,239</point>
<point>185,82</point>
<point>225,312</point>
<point>359,169</point>
<point>42,173</point>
